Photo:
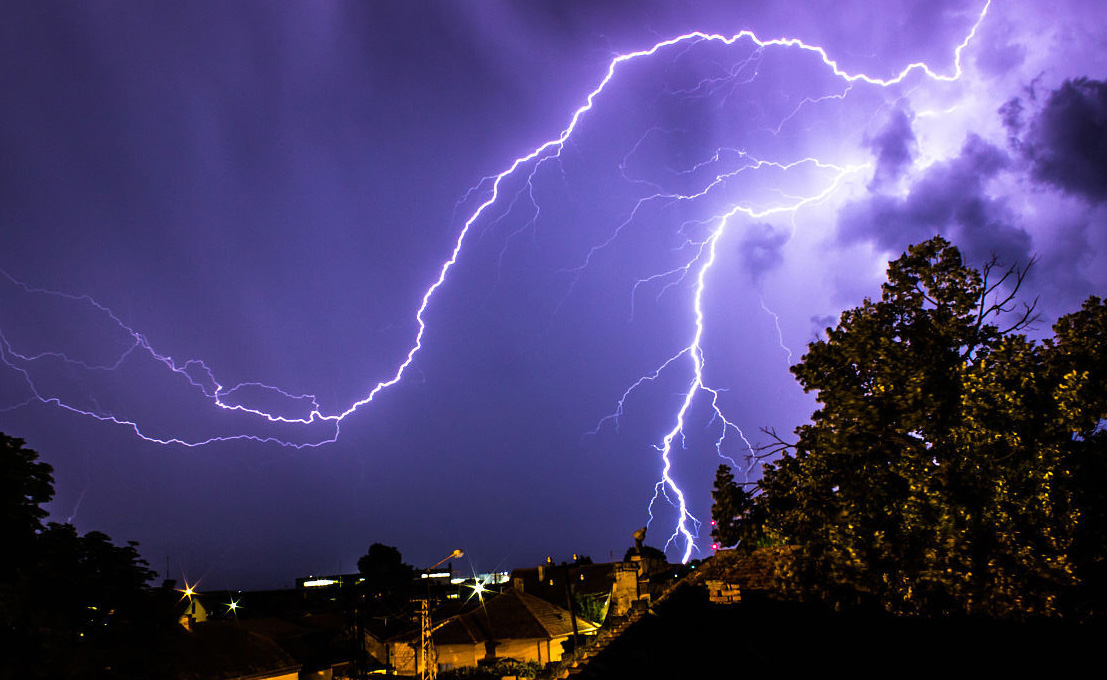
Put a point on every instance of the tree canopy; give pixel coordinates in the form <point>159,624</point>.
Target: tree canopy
<point>730,509</point>
<point>25,485</point>
<point>70,605</point>
<point>953,466</point>
<point>385,572</point>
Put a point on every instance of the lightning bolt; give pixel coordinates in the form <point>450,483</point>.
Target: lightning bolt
<point>304,410</point>
<point>779,332</point>
<point>686,529</point>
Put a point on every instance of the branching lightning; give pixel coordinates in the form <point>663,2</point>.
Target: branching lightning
<point>702,257</point>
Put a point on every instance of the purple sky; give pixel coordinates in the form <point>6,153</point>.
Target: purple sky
<point>270,188</point>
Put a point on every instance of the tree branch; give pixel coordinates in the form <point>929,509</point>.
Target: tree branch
<point>1002,302</point>
<point>775,448</point>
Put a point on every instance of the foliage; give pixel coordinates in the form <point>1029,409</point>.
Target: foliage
<point>70,605</point>
<point>591,607</point>
<point>730,509</point>
<point>952,466</point>
<point>25,485</point>
<point>494,671</point>
<point>386,574</point>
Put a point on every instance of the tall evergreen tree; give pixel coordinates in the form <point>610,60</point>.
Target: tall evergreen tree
<point>730,506</point>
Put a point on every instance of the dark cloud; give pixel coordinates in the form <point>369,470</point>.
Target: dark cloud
<point>895,148</point>
<point>1063,263</point>
<point>761,248</point>
<point>1011,114</point>
<point>1066,142</point>
<point>984,229</point>
<point>949,198</point>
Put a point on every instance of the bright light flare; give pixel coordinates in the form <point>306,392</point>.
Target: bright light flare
<point>479,587</point>
<point>189,591</point>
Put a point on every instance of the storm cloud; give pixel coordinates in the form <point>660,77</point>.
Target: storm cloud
<point>895,149</point>
<point>949,198</point>
<point>1066,142</point>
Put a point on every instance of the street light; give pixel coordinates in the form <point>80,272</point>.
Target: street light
<point>458,552</point>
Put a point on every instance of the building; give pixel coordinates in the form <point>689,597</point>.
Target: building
<point>618,584</point>
<point>512,625</point>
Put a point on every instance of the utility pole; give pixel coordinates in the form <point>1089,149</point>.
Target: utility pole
<point>427,656</point>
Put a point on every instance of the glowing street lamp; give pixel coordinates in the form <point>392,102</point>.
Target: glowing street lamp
<point>458,552</point>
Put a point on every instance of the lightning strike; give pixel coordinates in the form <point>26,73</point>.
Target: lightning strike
<point>779,332</point>
<point>490,193</point>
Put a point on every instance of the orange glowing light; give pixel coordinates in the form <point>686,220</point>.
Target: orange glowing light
<point>189,590</point>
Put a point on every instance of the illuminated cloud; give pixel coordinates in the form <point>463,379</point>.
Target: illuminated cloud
<point>952,197</point>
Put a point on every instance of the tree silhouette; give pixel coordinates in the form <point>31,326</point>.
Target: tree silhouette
<point>731,504</point>
<point>71,606</point>
<point>940,471</point>
<point>385,573</point>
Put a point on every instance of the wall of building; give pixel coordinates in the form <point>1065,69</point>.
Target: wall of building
<point>456,656</point>
<point>625,591</point>
<point>404,658</point>
<point>376,648</point>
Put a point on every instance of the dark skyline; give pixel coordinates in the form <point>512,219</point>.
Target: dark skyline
<point>272,188</point>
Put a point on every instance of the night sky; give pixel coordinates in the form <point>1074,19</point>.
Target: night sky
<point>213,209</point>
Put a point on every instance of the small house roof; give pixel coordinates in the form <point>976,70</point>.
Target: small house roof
<point>512,615</point>
<point>226,649</point>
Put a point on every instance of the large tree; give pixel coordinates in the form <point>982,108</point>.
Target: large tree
<point>70,605</point>
<point>385,572</point>
<point>25,485</point>
<point>952,466</point>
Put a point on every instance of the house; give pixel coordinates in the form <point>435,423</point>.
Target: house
<point>618,584</point>
<point>548,581</point>
<point>226,650</point>
<point>512,625</point>
<point>194,612</point>
<point>229,640</point>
